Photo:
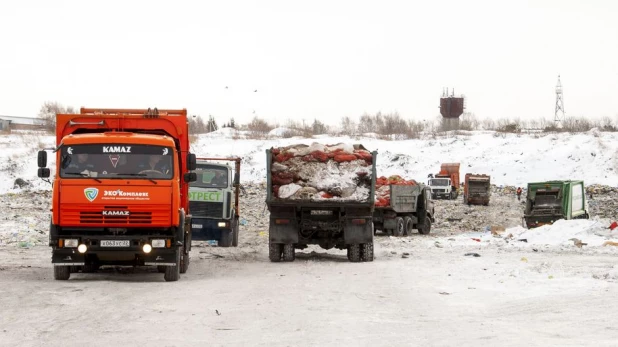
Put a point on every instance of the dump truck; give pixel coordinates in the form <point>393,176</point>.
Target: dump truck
<point>445,184</point>
<point>477,189</point>
<point>547,202</point>
<point>410,207</point>
<point>120,191</point>
<point>320,195</point>
<point>213,201</point>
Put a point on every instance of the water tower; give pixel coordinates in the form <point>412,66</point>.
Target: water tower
<point>451,108</point>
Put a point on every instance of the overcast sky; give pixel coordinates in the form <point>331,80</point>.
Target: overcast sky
<point>311,59</point>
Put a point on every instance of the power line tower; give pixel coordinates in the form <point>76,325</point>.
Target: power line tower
<point>559,103</point>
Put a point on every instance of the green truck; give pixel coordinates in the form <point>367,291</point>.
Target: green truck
<point>213,201</point>
<point>547,202</point>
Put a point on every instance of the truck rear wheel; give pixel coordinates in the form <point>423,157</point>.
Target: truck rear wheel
<point>62,273</point>
<point>274,252</point>
<point>408,226</point>
<point>367,251</point>
<point>354,253</point>
<point>399,227</point>
<point>288,252</point>
<point>426,227</point>
<point>172,273</point>
<point>235,236</point>
<point>185,260</point>
<point>226,238</point>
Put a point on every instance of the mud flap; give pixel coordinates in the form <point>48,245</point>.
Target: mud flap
<point>283,233</point>
<point>358,233</point>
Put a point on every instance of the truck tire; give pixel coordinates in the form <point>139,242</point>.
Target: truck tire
<point>288,252</point>
<point>226,238</point>
<point>408,226</point>
<point>185,260</point>
<point>367,251</point>
<point>235,238</point>
<point>426,227</point>
<point>172,273</point>
<point>354,253</point>
<point>62,273</point>
<point>399,227</point>
<point>274,252</point>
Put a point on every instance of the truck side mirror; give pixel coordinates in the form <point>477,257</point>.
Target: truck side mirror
<point>190,177</point>
<point>43,172</point>
<point>237,178</point>
<point>42,159</point>
<point>191,162</point>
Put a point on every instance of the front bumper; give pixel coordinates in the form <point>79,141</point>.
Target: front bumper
<point>203,229</point>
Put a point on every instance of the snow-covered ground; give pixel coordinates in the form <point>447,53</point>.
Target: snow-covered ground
<point>461,285</point>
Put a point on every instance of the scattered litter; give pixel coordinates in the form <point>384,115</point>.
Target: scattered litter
<point>445,293</point>
<point>472,254</point>
<point>405,255</point>
<point>244,221</point>
<point>610,243</point>
<point>523,240</point>
<point>524,259</point>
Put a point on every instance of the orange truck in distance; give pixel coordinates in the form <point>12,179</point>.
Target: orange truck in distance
<point>120,191</point>
<point>445,184</point>
<point>477,189</point>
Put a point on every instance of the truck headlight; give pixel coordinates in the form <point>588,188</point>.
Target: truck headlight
<point>222,224</point>
<point>72,243</point>
<point>82,248</point>
<point>147,248</point>
<point>159,243</point>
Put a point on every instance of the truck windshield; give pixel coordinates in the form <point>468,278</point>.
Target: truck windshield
<point>116,161</point>
<point>439,182</point>
<point>211,176</point>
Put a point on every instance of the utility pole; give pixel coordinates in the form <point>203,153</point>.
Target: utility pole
<point>558,118</point>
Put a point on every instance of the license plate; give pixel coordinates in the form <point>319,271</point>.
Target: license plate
<point>115,243</point>
<point>321,212</point>
<point>197,226</point>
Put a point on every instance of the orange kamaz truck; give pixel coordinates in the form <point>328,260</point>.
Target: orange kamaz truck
<point>120,190</point>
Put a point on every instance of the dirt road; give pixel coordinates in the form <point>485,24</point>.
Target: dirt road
<point>436,297</point>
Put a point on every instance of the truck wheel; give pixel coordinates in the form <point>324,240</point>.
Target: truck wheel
<point>274,252</point>
<point>367,251</point>
<point>226,238</point>
<point>172,273</point>
<point>354,253</point>
<point>426,227</point>
<point>408,226</point>
<point>288,252</point>
<point>185,260</point>
<point>399,227</point>
<point>62,273</point>
<point>235,238</point>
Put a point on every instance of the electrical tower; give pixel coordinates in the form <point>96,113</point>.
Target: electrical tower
<point>559,103</point>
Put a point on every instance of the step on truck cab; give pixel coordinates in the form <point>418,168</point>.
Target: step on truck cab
<point>214,199</point>
<point>547,202</point>
<point>120,191</point>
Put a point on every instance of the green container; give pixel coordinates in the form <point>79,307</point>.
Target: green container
<point>547,202</point>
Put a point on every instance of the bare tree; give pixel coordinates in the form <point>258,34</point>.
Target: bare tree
<point>48,113</point>
<point>348,126</point>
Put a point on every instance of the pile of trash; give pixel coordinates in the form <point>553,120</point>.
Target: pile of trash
<point>316,172</point>
<point>383,188</point>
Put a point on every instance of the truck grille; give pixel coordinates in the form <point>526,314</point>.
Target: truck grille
<point>97,217</point>
<point>206,209</point>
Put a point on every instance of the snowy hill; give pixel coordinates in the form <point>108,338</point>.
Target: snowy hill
<point>510,159</point>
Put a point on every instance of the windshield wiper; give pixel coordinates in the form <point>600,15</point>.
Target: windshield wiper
<point>83,175</point>
<point>135,174</point>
